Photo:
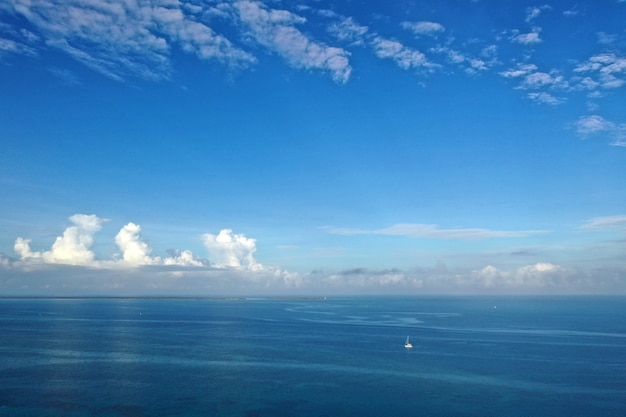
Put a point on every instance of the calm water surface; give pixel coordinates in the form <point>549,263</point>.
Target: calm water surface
<point>506,356</point>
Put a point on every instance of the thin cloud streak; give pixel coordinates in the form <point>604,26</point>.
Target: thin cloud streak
<point>606,222</point>
<point>433,231</point>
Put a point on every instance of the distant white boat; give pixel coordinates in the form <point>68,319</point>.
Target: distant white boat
<point>407,343</point>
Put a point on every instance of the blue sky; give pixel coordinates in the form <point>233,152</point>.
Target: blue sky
<point>248,147</point>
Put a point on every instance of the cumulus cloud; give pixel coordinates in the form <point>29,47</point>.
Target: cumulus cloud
<point>134,250</point>
<point>433,231</point>
<point>229,250</point>
<point>73,248</point>
<point>275,29</point>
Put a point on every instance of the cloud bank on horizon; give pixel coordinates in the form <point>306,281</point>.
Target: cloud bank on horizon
<point>137,40</point>
<point>231,268</point>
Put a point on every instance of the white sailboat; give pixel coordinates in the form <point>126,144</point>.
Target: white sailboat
<point>407,343</point>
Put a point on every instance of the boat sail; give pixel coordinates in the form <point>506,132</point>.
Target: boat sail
<point>407,343</point>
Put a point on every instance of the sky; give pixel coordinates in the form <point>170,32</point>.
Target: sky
<point>313,147</point>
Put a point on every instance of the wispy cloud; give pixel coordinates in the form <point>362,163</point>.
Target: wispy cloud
<point>275,29</point>
<point>121,39</point>
<point>471,65</point>
<point>405,57</point>
<point>433,231</point>
<point>347,30</point>
<point>530,38</point>
<point>10,46</point>
<point>533,13</point>
<point>545,98</point>
<point>424,28</point>
<point>606,222</point>
<point>587,126</point>
<point>520,70</point>
<point>530,78</point>
<point>609,69</point>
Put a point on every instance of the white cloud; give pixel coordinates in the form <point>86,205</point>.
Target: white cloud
<point>542,275</point>
<point>588,125</point>
<point>5,261</point>
<point>228,250</point>
<point>11,46</point>
<point>275,30</point>
<point>73,248</point>
<point>606,38</point>
<point>533,12</point>
<point>609,68</point>
<point>406,58</point>
<point>22,248</point>
<point>531,79</point>
<point>71,268</point>
<point>520,70</point>
<point>424,28</point>
<point>530,38</point>
<point>543,79</point>
<point>594,124</point>
<point>585,84</point>
<point>470,65</point>
<point>198,38</point>
<point>184,258</point>
<point>135,251</point>
<point>545,98</point>
<point>433,231</point>
<point>348,31</point>
<point>126,38</point>
<point>605,222</point>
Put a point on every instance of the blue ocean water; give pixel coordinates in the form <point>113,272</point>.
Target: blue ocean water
<point>472,356</point>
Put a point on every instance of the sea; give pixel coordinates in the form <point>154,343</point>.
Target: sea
<point>335,356</point>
